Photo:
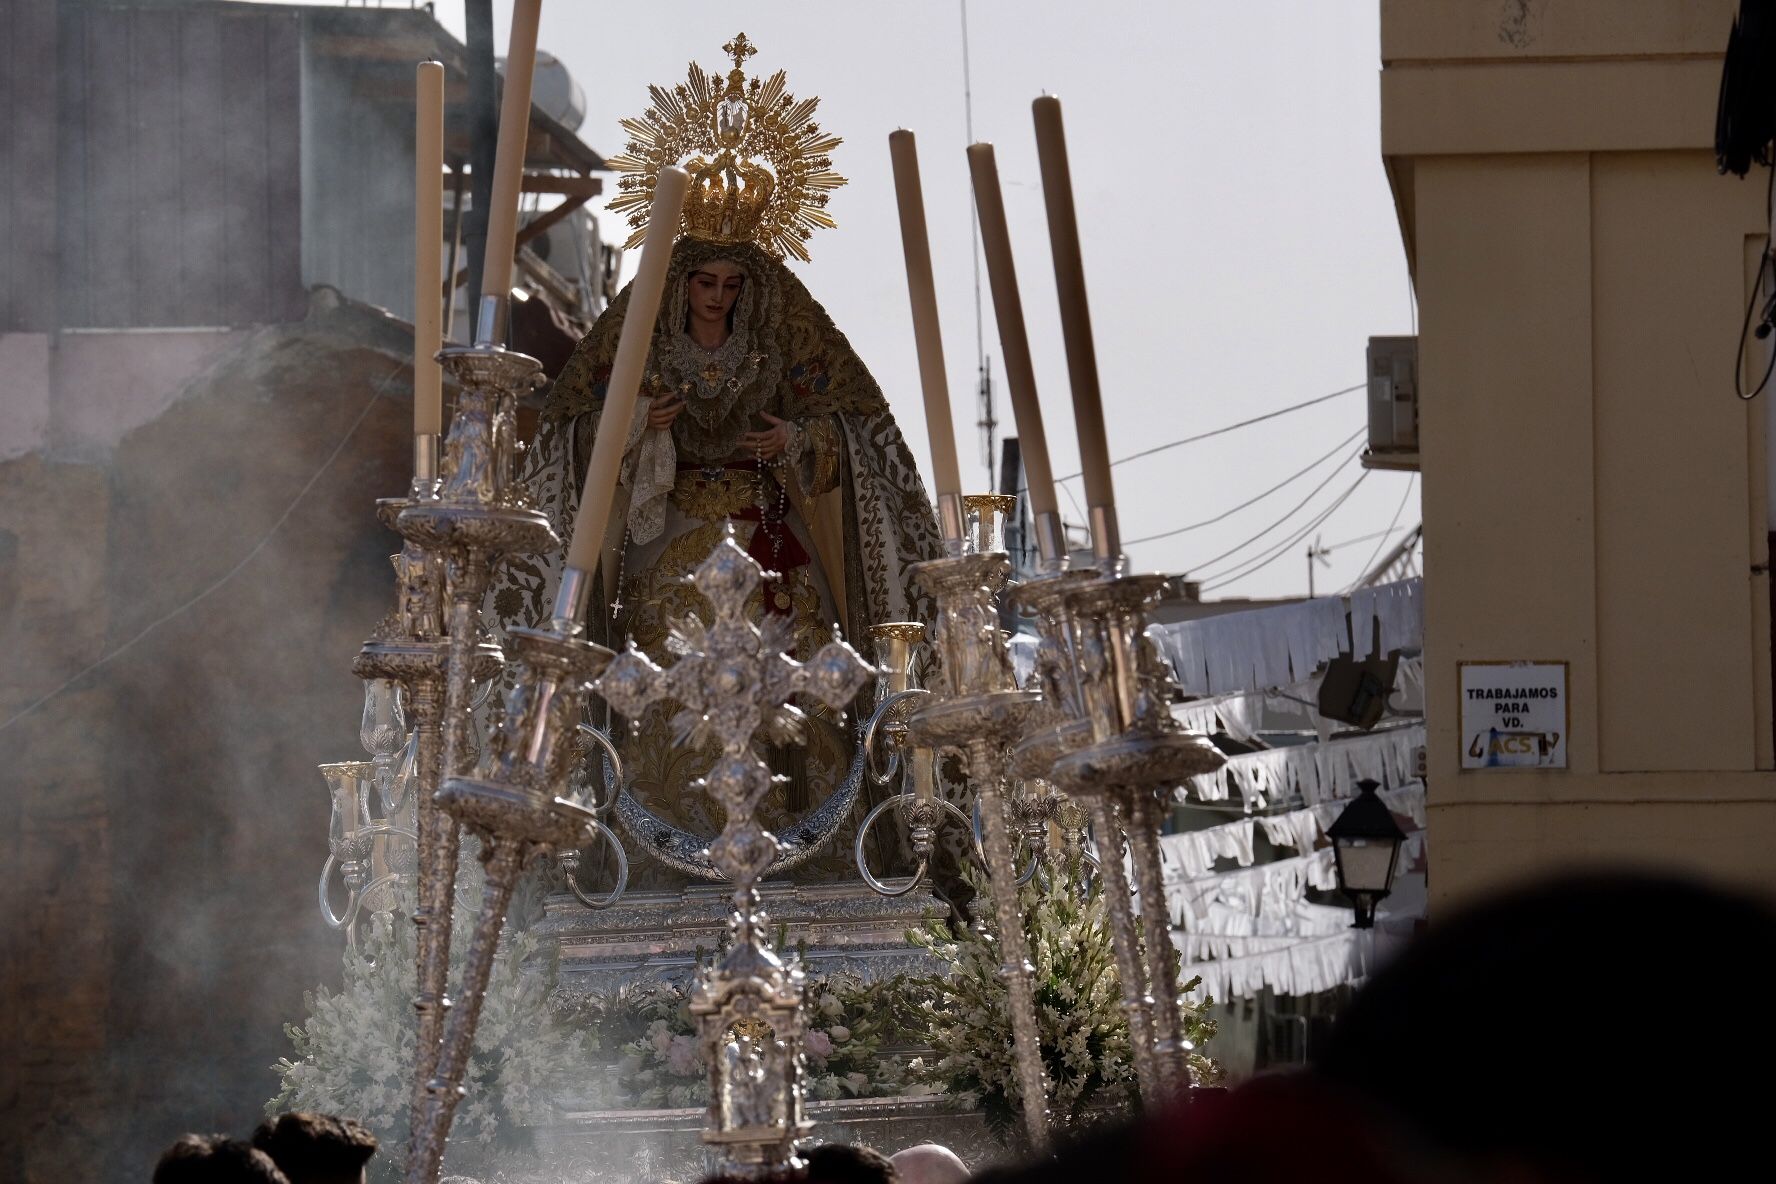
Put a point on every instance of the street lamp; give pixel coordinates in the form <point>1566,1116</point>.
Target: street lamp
<point>1366,847</point>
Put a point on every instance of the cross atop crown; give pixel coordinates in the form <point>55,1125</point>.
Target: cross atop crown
<point>740,49</point>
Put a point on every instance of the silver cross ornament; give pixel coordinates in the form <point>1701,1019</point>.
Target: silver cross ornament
<point>733,682</point>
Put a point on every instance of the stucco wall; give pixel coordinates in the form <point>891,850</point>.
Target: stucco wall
<point>1593,491</point>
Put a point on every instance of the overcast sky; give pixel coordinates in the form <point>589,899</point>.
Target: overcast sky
<point>1240,240</point>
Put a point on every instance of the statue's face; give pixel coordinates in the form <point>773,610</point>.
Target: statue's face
<point>712,290</point>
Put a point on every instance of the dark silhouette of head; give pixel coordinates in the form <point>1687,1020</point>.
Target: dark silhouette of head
<point>316,1148</point>
<point>846,1163</point>
<point>215,1159</point>
<point>1551,1033</point>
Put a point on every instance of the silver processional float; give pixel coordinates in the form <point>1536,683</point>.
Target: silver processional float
<point>1089,738</point>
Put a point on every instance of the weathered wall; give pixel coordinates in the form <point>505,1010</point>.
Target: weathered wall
<point>161,821</point>
<point>177,186</point>
<point>357,213</point>
<point>76,395</point>
<point>1593,492</point>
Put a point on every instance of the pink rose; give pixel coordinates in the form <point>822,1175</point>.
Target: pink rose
<point>819,1044</point>
<point>681,1058</point>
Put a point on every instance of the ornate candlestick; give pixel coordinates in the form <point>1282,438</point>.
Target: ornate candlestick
<point>1058,730</point>
<point>514,803</point>
<point>734,682</point>
<point>1119,746</point>
<point>477,515</point>
<point>977,708</point>
<point>410,647</point>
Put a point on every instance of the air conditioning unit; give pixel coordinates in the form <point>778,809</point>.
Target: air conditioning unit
<point>1393,396</point>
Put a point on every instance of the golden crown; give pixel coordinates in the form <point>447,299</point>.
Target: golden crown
<point>758,163</point>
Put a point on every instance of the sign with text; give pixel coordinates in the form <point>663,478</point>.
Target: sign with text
<point>1513,715</point>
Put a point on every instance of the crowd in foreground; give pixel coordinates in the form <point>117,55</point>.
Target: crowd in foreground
<point>1586,1030</point>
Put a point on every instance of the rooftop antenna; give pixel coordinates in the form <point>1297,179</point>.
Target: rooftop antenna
<point>1321,553</point>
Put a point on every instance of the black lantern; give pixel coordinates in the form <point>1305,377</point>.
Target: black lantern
<point>1366,845</point>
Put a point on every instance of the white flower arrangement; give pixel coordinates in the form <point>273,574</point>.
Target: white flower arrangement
<point>965,1011</point>
<point>354,1053</point>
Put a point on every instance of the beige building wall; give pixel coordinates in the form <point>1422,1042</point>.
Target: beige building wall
<point>1594,493</point>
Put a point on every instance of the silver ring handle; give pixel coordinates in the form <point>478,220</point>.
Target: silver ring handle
<point>597,829</point>
<point>1025,876</point>
<point>613,769</point>
<point>335,920</point>
<point>918,876</point>
<point>891,710</point>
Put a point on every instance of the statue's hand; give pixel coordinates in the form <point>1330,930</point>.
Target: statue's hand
<point>770,443</point>
<point>664,410</point>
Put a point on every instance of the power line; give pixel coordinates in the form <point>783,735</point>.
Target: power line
<point>1392,522</point>
<point>1276,551</point>
<point>1282,549</point>
<point>1363,538</point>
<point>1293,477</point>
<point>1244,423</point>
<point>1287,514</point>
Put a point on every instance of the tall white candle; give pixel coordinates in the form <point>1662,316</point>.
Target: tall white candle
<point>1076,331</point>
<point>508,165</point>
<point>1014,342</point>
<point>946,475</point>
<point>428,240</point>
<point>625,380</point>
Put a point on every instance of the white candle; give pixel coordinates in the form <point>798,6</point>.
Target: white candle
<point>508,165</point>
<point>1014,342</point>
<point>625,380</point>
<point>1076,332</point>
<point>946,475</point>
<point>428,239</point>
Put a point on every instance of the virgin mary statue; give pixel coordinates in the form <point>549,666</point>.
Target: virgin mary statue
<point>757,416</point>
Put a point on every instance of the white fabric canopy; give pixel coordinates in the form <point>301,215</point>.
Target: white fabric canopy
<point>1268,890</point>
<point>1252,650</point>
<point>1189,855</point>
<point>1295,966</point>
<point>1400,610</point>
<point>1311,773</point>
<point>1272,647</point>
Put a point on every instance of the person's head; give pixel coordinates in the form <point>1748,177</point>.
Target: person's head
<point>847,1163</point>
<point>711,290</point>
<point>316,1148</point>
<point>1515,1038</point>
<point>928,1163</point>
<point>215,1159</point>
